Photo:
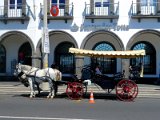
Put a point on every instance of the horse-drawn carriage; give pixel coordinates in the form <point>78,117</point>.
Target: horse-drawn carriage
<point>126,89</point>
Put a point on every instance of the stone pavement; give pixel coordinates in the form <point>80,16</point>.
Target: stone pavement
<point>13,88</point>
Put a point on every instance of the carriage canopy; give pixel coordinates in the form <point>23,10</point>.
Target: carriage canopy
<point>108,54</point>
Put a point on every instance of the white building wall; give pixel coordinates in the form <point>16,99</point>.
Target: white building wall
<point>33,28</point>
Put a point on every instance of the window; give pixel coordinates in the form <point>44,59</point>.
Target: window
<point>108,65</point>
<point>101,7</point>
<point>148,2</point>
<point>148,7</point>
<point>15,4</point>
<point>2,59</point>
<point>19,4</point>
<point>63,59</point>
<point>12,4</point>
<point>59,3</point>
<point>15,8</point>
<point>149,60</point>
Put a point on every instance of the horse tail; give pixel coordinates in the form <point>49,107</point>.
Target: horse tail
<point>58,75</point>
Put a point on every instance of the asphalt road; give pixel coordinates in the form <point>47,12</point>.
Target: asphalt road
<point>20,107</point>
<point>15,104</point>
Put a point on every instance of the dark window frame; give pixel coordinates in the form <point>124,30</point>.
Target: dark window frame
<point>108,65</point>
<point>62,50</point>
<point>149,60</point>
<point>3,59</point>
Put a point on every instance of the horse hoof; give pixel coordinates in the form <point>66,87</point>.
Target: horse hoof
<point>30,97</point>
<point>52,97</point>
<point>48,97</point>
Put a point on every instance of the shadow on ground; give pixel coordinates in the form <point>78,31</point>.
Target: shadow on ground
<point>43,95</point>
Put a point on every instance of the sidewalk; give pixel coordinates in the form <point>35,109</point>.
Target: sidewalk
<point>150,91</point>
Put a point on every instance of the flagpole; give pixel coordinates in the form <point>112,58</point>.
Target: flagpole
<point>44,34</point>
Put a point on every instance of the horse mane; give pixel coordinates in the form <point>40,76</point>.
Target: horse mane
<point>31,71</point>
<point>27,67</point>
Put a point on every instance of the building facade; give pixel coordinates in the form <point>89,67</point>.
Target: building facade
<point>87,24</point>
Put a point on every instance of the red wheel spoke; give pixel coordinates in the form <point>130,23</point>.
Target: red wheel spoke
<point>74,90</point>
<point>126,90</point>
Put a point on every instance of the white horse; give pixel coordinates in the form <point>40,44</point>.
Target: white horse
<point>32,76</point>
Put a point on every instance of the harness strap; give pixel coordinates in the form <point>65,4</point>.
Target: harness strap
<point>20,74</point>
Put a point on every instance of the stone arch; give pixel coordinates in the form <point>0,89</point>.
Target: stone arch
<point>141,34</point>
<point>55,38</point>
<point>107,35</point>
<point>23,35</point>
<point>103,36</point>
<point>152,37</point>
<point>12,40</point>
<point>59,32</point>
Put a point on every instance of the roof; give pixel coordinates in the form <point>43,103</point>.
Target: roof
<point>108,54</point>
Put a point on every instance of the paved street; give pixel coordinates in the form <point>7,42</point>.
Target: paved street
<point>15,105</point>
<point>148,91</point>
<point>20,107</point>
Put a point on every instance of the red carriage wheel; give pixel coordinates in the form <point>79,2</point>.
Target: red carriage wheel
<point>74,90</point>
<point>126,90</point>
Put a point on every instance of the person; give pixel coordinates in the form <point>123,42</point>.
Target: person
<point>97,70</point>
<point>21,57</point>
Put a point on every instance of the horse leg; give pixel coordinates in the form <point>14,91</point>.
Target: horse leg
<point>51,93</point>
<point>55,88</point>
<point>38,88</point>
<point>32,90</point>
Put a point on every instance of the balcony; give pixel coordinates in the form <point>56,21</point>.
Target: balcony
<point>102,11</point>
<point>12,13</point>
<point>145,11</point>
<point>65,12</point>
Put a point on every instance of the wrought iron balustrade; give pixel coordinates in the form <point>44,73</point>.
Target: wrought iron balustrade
<point>19,12</point>
<point>107,9</point>
<point>65,12</point>
<point>145,8</point>
<point>148,10</point>
<point>14,11</point>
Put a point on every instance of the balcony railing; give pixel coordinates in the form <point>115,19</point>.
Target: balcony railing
<point>148,10</point>
<point>19,12</point>
<point>102,11</point>
<point>65,12</point>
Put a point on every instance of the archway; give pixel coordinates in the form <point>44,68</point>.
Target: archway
<point>149,60</point>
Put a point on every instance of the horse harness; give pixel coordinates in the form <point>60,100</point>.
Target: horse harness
<point>32,76</point>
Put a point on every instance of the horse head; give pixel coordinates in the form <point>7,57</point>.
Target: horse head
<point>18,72</point>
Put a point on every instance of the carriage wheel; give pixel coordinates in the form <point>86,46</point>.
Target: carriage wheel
<point>126,90</point>
<point>74,90</point>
